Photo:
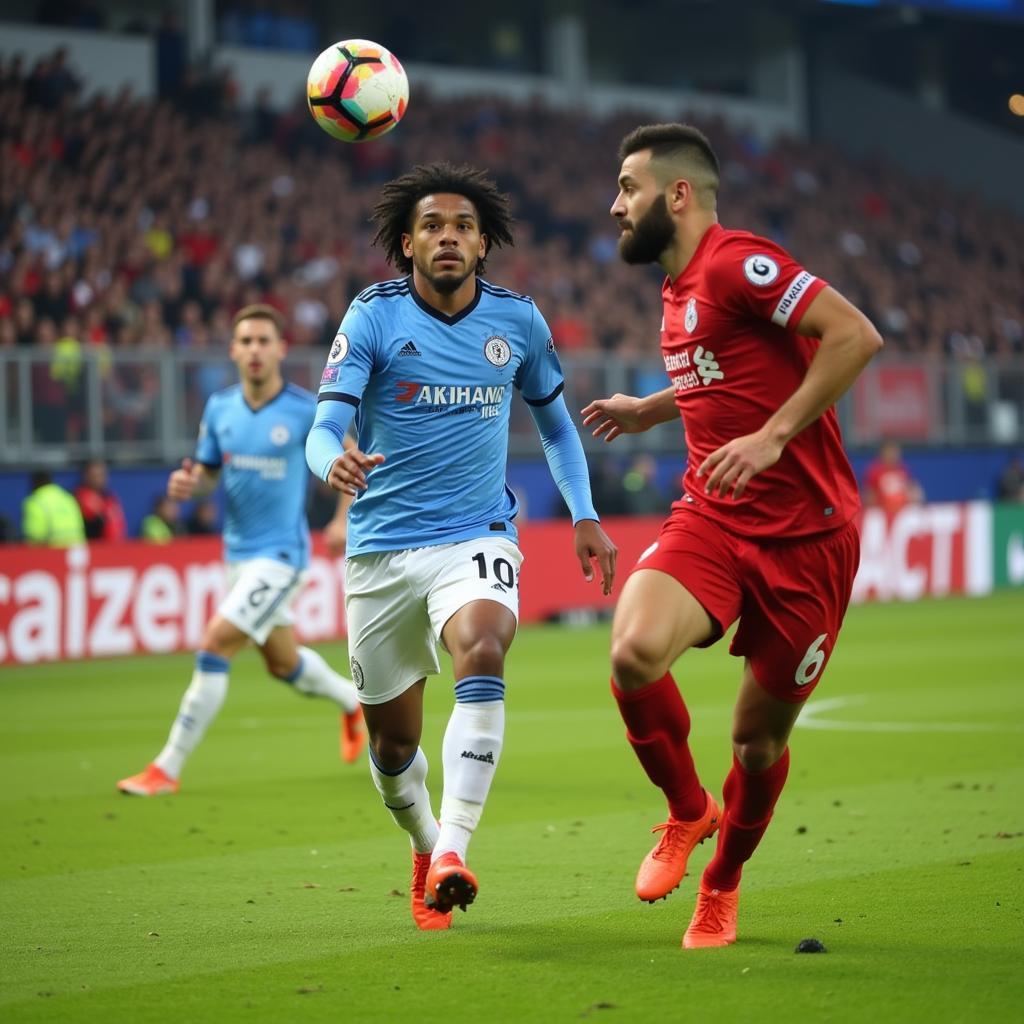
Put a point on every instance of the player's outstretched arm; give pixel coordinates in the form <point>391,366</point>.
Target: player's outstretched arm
<point>192,481</point>
<point>625,414</point>
<point>568,465</point>
<point>848,342</point>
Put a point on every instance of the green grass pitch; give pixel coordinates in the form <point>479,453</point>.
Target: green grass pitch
<point>274,888</point>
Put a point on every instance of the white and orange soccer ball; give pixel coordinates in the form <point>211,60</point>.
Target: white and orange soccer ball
<point>357,90</point>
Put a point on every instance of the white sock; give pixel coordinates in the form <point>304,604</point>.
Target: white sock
<point>315,678</point>
<point>471,750</point>
<point>199,707</point>
<point>405,795</point>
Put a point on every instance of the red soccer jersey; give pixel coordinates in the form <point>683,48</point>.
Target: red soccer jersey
<point>891,484</point>
<point>733,357</point>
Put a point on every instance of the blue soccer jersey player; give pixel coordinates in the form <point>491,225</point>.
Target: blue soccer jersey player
<point>253,435</point>
<point>426,366</point>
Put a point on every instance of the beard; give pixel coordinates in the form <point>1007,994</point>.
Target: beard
<point>650,235</point>
<point>445,282</point>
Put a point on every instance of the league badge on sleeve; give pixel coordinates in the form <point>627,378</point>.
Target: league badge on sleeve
<point>339,349</point>
<point>760,270</point>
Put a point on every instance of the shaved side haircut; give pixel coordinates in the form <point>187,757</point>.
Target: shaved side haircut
<point>677,151</point>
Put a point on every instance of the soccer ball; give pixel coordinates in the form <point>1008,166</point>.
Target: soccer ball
<point>357,90</point>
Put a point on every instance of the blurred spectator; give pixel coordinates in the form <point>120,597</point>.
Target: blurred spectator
<point>605,486</point>
<point>101,509</point>
<point>887,481</point>
<point>161,525</point>
<point>1010,485</point>
<point>643,496</point>
<point>202,522</point>
<point>50,516</point>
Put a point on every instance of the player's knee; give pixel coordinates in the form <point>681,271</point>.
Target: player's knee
<point>758,754</point>
<point>392,752</point>
<point>281,668</point>
<point>222,638</point>
<point>484,656</point>
<point>635,663</point>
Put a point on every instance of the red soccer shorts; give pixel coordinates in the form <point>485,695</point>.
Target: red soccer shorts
<point>789,595</point>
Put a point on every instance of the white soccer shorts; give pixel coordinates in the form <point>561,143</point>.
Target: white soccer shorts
<point>397,604</point>
<point>260,596</point>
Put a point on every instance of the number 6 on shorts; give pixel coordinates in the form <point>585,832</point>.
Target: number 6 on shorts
<point>808,669</point>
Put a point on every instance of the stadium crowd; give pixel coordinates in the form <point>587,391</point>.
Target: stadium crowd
<point>128,222</point>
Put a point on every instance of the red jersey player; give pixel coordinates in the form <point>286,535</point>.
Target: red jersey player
<point>758,350</point>
<point>888,483</point>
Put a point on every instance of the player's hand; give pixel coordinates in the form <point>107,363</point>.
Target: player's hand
<point>610,417</point>
<point>731,466</point>
<point>593,543</point>
<point>348,474</point>
<point>336,536</point>
<point>181,484</point>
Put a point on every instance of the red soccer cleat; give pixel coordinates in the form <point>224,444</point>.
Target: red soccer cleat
<point>352,739</point>
<point>426,918</point>
<point>664,867</point>
<point>450,884</point>
<point>151,781</point>
<point>714,919</point>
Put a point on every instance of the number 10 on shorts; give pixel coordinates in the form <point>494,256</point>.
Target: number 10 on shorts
<point>501,567</point>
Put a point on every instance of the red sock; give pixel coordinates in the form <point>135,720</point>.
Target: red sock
<point>749,802</point>
<point>657,727</point>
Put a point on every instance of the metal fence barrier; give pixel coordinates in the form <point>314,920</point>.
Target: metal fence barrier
<point>143,405</point>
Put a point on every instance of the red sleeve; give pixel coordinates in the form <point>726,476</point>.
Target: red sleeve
<point>755,277</point>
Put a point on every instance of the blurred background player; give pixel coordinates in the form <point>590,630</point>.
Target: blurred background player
<point>255,433</point>
<point>426,364</point>
<point>758,351</point>
<point>888,484</point>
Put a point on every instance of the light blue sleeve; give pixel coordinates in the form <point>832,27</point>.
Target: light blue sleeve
<point>564,453</point>
<point>540,376</point>
<point>207,446</point>
<point>349,366</point>
<point>325,441</point>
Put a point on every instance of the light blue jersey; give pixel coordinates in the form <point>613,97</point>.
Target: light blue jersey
<point>261,455</point>
<point>433,394</point>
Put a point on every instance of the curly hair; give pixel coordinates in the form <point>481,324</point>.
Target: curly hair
<point>396,206</point>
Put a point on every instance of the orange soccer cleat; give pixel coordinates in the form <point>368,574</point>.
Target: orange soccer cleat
<point>714,919</point>
<point>151,781</point>
<point>426,918</point>
<point>450,884</point>
<point>664,867</point>
<point>352,738</point>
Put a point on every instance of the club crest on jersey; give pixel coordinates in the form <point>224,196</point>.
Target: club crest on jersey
<point>357,673</point>
<point>551,345</point>
<point>497,350</point>
<point>690,319</point>
<point>280,434</point>
<point>339,349</point>
<point>760,270</point>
